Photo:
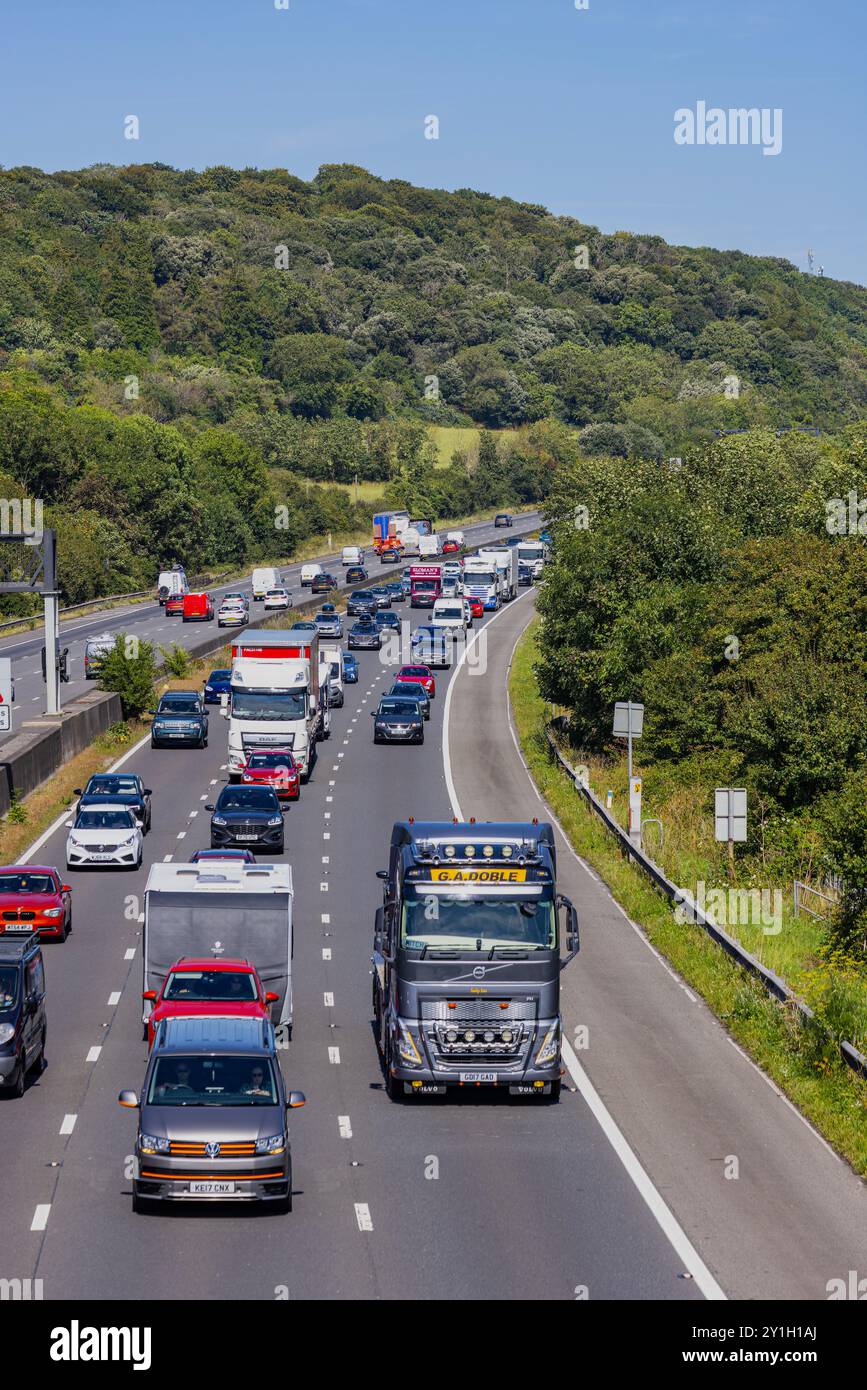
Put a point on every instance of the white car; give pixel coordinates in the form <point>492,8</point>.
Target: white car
<point>468,613</point>
<point>277,598</point>
<point>108,835</point>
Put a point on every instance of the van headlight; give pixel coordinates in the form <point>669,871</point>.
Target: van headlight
<point>153,1144</point>
<point>274,1145</point>
<point>7,1032</point>
<point>550,1049</point>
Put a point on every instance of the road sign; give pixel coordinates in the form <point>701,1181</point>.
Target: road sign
<point>628,719</point>
<point>5,694</point>
<point>730,814</point>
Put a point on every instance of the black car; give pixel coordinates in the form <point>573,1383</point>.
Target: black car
<point>365,634</point>
<point>22,1010</point>
<point>117,789</point>
<point>381,594</point>
<point>180,718</point>
<point>387,620</point>
<point>502,519</point>
<point>360,603</point>
<point>323,583</point>
<point>246,816</point>
<point>525,576</point>
<point>398,720</point>
<point>355,573</point>
<point>412,690</point>
<point>397,591</point>
<point>232,856</point>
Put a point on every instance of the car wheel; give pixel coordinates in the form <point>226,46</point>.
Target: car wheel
<point>17,1090</point>
<point>39,1064</point>
<point>67,926</point>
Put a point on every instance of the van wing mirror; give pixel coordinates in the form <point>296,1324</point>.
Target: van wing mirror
<point>295,1100</point>
<point>129,1099</point>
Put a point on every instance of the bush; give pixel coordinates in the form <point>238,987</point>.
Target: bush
<point>176,661</point>
<point>129,671</point>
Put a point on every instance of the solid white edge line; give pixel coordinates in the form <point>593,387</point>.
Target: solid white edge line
<point>662,1214</point>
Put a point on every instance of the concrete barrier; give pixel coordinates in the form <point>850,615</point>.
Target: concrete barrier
<point>43,745</point>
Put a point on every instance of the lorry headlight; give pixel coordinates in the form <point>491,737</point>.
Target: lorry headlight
<point>274,1145</point>
<point>153,1144</point>
<point>550,1049</point>
<point>406,1047</point>
<point>7,1032</point>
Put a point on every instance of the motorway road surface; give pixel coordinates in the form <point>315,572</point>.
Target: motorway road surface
<point>149,622</point>
<point>479,1197</point>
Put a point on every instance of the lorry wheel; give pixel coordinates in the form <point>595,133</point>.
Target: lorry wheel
<point>554,1095</point>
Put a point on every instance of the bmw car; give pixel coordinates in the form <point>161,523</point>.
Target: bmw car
<point>108,837</point>
<point>398,720</point>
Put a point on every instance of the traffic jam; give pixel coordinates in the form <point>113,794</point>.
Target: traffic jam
<point>217,916</point>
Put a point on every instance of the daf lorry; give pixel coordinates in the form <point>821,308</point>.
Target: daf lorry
<point>275,697</point>
<point>467,958</point>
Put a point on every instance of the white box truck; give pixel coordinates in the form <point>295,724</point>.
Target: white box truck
<point>274,701</point>
<point>333,658</point>
<point>225,910</point>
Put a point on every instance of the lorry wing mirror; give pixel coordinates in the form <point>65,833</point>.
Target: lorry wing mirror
<point>295,1100</point>
<point>128,1099</point>
<point>573,940</point>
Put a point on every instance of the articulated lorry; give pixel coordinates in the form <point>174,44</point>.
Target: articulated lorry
<point>506,561</point>
<point>482,580</point>
<point>533,555</point>
<point>224,910</point>
<point>275,697</point>
<point>466,958</point>
<point>425,585</point>
<point>388,529</point>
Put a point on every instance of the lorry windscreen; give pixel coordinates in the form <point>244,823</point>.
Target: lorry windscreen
<point>480,576</point>
<point>531,552</point>
<point>270,706</point>
<point>460,921</point>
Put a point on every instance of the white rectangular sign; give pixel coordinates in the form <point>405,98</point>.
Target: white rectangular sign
<point>5,694</point>
<point>730,813</point>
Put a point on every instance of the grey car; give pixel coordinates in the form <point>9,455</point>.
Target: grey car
<point>365,633</point>
<point>212,1116</point>
<point>398,720</point>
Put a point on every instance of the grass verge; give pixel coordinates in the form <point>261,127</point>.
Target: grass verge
<point>803,1060</point>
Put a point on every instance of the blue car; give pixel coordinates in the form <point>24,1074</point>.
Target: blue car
<point>350,668</point>
<point>545,537</point>
<point>217,684</point>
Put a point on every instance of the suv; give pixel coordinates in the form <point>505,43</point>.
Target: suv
<point>180,717</point>
<point>22,1010</point>
<point>502,519</point>
<point>212,1115</point>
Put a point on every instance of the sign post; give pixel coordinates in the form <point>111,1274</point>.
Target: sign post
<point>730,819</point>
<point>629,724</point>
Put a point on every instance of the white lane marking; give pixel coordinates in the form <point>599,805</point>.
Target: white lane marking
<point>223,767</point>
<point>129,953</point>
<point>344,1126</point>
<point>68,1124</point>
<point>335,768</point>
<point>331,784</point>
<point>325,859</point>
<point>140,917</point>
<point>323,887</point>
<point>334,1056</point>
<point>342,755</point>
<point>326,834</point>
<point>168,859</point>
<point>40,1217</point>
<point>686,1251</point>
<point>447,762</point>
<point>114,999</point>
<point>326,815</point>
<point>64,815</point>
<point>326,918</point>
<point>192,815</point>
<point>34,698</point>
<point>363,1217</point>
<point>785,1099</point>
<point>93,1054</point>
<point>182,834</point>
<point>212,783</point>
<point>329,1000</point>
<point>326,952</point>
<point>204,796</point>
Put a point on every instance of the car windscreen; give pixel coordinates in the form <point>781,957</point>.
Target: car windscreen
<point>408,691</point>
<point>27,883</point>
<point>228,1080</point>
<point>220,675</point>
<point>408,707</point>
<point>211,986</point>
<point>111,786</point>
<point>190,706</point>
<point>480,577</point>
<point>105,820</point>
<point>450,920</point>
<point>451,612</point>
<point>8,986</point>
<point>334,669</point>
<point>270,760</point>
<point>245,799</point>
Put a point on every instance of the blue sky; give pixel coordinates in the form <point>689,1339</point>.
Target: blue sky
<point>535,99</point>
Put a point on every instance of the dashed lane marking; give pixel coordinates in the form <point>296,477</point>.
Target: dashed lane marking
<point>334,1056</point>
<point>323,887</point>
<point>363,1217</point>
<point>40,1217</point>
<point>68,1124</point>
<point>344,1126</point>
<point>326,952</point>
<point>129,953</point>
<point>329,1000</point>
<point>114,999</point>
<point>93,1054</point>
<point>168,859</point>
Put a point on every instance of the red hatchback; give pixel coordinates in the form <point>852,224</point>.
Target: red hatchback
<point>273,767</point>
<point>215,988</point>
<point>450,547</point>
<point>477,607</point>
<point>175,606</point>
<point>423,674</point>
<point>35,899</point>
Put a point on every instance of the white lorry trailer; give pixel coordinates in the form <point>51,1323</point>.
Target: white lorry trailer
<point>275,700</point>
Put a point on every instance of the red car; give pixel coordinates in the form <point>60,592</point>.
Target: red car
<point>35,898</point>
<point>423,674</point>
<point>477,607</point>
<point>449,547</point>
<point>273,767</point>
<point>215,988</point>
<point>175,606</point>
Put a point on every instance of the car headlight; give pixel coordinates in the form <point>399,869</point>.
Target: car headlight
<point>218,820</point>
<point>53,912</point>
<point>275,820</point>
<point>153,1144</point>
<point>550,1049</point>
<point>7,1032</point>
<point>406,1047</point>
<point>129,841</point>
<point>273,1145</point>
